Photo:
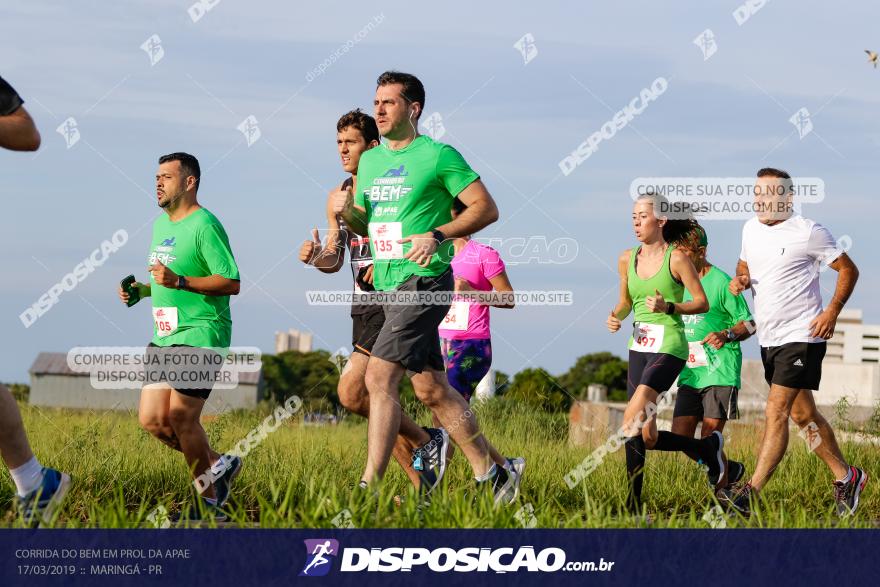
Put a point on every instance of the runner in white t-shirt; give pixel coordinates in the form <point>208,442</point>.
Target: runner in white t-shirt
<point>780,262</point>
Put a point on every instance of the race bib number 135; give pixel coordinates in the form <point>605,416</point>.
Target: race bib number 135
<point>384,236</point>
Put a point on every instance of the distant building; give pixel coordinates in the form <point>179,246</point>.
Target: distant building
<point>293,340</point>
<point>854,341</point>
<point>55,385</point>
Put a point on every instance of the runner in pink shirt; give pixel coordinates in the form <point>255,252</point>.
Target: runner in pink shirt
<point>465,336</point>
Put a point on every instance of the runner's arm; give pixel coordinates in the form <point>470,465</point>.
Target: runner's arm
<point>847,276</point>
<point>624,302</point>
<point>18,131</point>
<point>331,258</point>
<point>481,211</point>
<point>213,285</point>
<point>684,271</point>
<point>743,279</point>
<point>504,297</point>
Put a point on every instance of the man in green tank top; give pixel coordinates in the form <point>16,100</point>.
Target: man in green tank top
<point>709,383</point>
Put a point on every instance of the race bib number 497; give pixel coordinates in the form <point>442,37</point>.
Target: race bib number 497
<point>647,338</point>
<point>385,237</point>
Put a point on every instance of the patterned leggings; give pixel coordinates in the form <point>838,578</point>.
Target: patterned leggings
<point>467,362</point>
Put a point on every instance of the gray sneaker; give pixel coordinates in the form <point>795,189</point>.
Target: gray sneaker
<point>847,494</point>
<point>516,466</point>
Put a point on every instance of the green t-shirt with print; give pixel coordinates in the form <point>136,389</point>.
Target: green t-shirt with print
<point>405,192</point>
<point>707,367</point>
<point>195,246</point>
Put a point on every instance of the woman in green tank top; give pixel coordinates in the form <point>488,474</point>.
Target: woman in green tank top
<point>653,277</point>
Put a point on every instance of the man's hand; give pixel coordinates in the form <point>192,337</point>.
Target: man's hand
<point>656,303</point>
<point>123,295</point>
<point>368,275</point>
<point>164,276</point>
<point>823,324</point>
<point>613,323</point>
<point>739,284</point>
<point>310,249</point>
<point>342,200</point>
<point>716,339</point>
<point>423,247</point>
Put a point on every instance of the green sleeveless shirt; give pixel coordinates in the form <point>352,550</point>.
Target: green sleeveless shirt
<point>654,332</point>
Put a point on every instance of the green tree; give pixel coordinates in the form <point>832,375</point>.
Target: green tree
<point>538,388</point>
<point>312,376</point>
<point>604,368</point>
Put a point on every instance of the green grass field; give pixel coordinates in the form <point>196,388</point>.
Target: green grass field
<point>303,476</point>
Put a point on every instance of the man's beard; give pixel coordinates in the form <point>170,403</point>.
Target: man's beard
<point>169,201</point>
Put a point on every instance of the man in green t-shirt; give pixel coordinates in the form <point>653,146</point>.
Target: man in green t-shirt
<point>192,275</point>
<point>709,384</point>
<point>405,189</point>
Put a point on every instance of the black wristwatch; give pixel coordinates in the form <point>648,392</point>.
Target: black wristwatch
<point>731,335</point>
<point>438,236</point>
<point>670,308</point>
<point>181,282</point>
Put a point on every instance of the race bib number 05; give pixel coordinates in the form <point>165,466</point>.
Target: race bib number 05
<point>457,316</point>
<point>696,355</point>
<point>647,338</point>
<point>165,319</point>
<point>385,236</point>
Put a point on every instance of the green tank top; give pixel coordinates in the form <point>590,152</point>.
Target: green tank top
<point>654,332</point>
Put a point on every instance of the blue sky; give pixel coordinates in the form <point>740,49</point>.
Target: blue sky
<point>725,116</point>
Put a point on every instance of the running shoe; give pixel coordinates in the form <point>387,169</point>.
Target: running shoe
<point>713,457</point>
<point>39,505</point>
<point>429,460</point>
<point>737,498</point>
<point>517,467</point>
<point>846,493</point>
<point>735,472</point>
<point>226,469</point>
<point>505,486</point>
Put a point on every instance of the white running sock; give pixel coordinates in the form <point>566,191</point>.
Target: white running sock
<point>848,475</point>
<point>28,476</point>
<point>489,474</point>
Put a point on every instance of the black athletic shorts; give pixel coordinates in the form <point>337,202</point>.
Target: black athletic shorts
<point>186,369</point>
<point>365,329</point>
<point>714,401</point>
<point>409,335</point>
<point>797,364</point>
<point>656,370</point>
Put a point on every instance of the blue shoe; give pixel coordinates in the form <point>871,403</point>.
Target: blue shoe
<point>228,468</point>
<point>39,505</point>
<point>429,460</point>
